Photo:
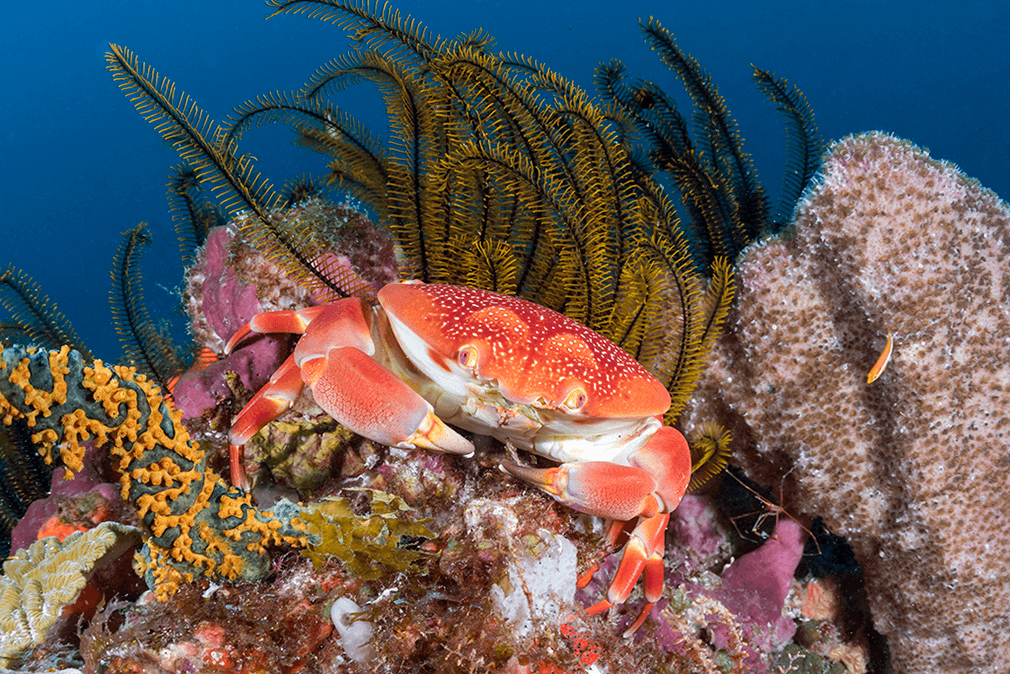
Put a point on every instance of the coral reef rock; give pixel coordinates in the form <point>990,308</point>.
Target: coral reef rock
<point>912,468</point>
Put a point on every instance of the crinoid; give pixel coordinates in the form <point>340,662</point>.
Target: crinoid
<point>502,174</point>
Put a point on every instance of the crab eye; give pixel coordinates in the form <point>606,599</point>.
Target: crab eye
<point>467,356</point>
<point>576,400</point>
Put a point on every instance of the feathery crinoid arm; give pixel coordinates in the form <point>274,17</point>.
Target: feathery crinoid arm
<point>718,139</point>
<point>193,214</point>
<point>804,146</point>
<point>147,348</point>
<point>229,176</point>
<point>33,316</point>
<point>196,525</point>
<point>24,478</point>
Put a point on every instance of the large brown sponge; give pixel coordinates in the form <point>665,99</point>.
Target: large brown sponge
<point>913,468</point>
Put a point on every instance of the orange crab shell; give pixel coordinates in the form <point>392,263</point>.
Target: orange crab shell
<point>537,355</point>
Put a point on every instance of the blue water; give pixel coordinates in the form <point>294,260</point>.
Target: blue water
<point>79,166</point>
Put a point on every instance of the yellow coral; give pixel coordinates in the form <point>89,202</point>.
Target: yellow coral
<point>167,577</point>
<point>41,401</point>
<point>38,582</point>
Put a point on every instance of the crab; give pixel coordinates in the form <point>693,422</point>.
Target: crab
<point>432,356</point>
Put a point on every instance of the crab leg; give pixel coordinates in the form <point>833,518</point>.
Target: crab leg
<point>270,402</point>
<point>643,555</point>
<point>344,323</point>
<point>649,488</point>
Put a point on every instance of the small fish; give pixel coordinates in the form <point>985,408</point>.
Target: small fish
<point>881,364</point>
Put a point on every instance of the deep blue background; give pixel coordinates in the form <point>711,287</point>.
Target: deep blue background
<point>79,166</point>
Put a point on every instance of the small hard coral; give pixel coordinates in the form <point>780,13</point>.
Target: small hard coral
<point>38,582</point>
<point>913,467</point>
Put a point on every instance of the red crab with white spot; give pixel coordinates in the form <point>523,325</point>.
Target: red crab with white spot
<point>430,355</point>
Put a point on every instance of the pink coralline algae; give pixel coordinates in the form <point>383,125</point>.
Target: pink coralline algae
<point>756,585</point>
<point>78,504</point>
<point>220,298</point>
<point>718,614</point>
<point>744,611</point>
<point>913,467</point>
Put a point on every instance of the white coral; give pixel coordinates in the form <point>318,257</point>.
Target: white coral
<point>538,587</point>
<point>355,634</point>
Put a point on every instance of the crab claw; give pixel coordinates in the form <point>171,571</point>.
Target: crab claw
<point>617,493</point>
<point>276,321</point>
<point>334,358</point>
<point>652,481</point>
<point>371,401</point>
<point>359,393</point>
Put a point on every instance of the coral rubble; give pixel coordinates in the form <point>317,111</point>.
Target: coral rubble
<point>912,468</point>
<point>211,628</point>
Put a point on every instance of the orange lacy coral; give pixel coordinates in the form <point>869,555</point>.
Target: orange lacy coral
<point>196,524</point>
